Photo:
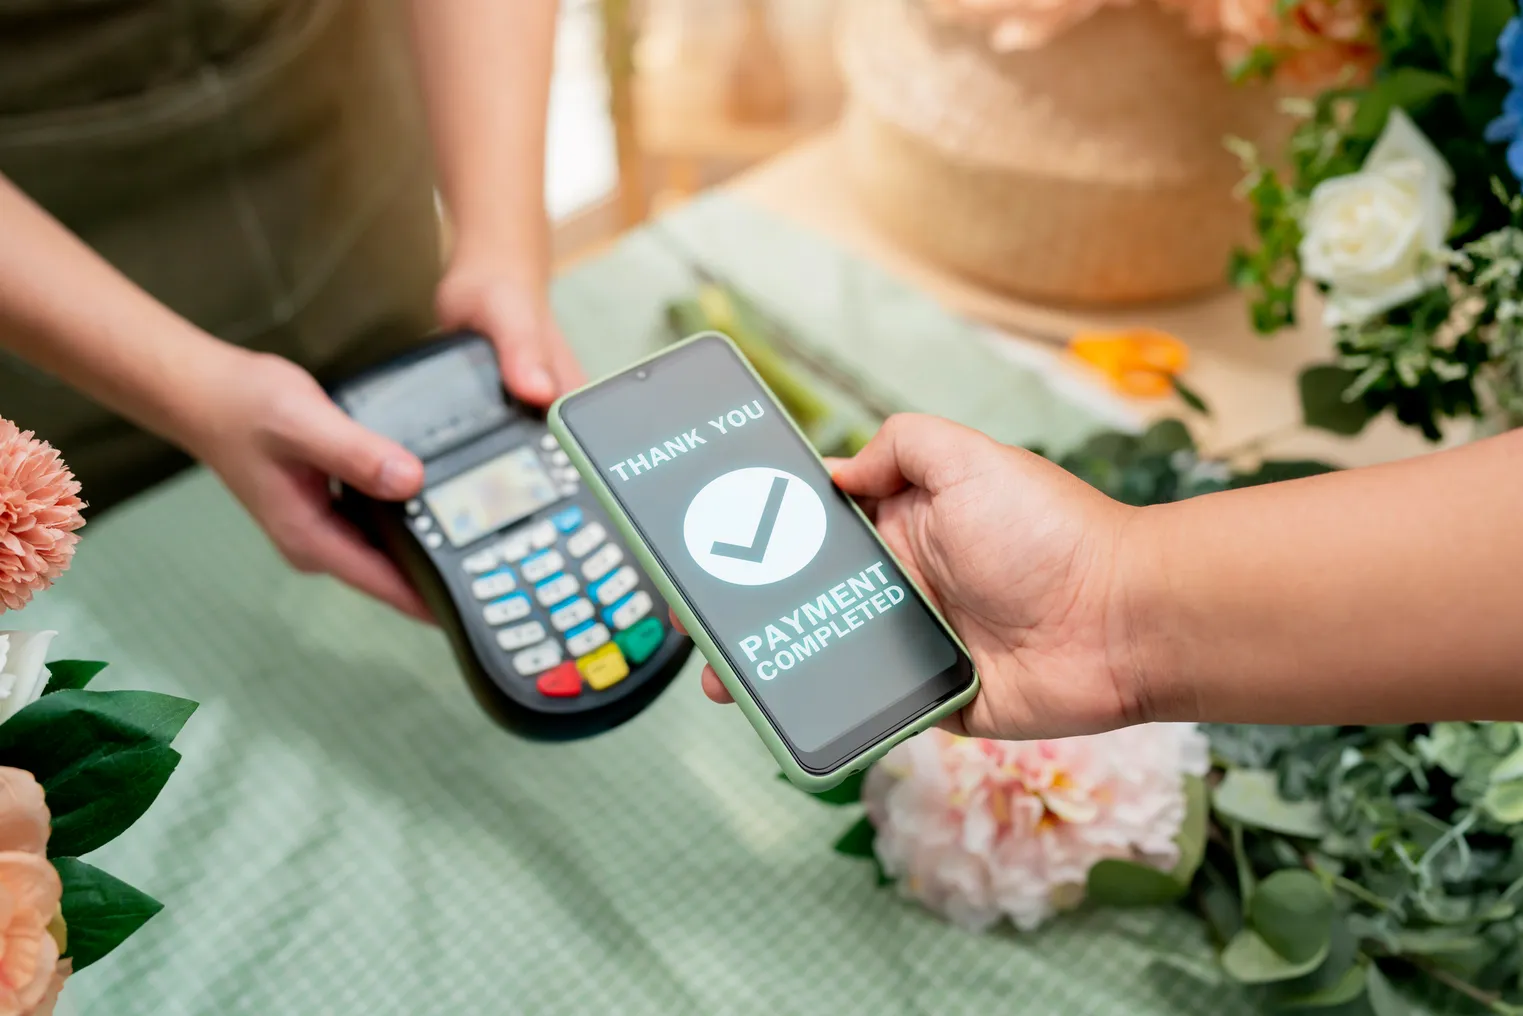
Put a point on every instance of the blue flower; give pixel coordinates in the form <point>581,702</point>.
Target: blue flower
<point>1510,52</point>
<point>1509,126</point>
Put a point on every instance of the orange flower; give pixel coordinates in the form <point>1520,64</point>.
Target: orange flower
<point>30,893</point>
<point>39,513</point>
<point>1139,361</point>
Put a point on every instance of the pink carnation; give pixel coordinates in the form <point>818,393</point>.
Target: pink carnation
<point>980,830</point>
<point>39,513</point>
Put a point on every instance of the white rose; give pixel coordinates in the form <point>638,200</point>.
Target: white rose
<point>23,673</point>
<point>1376,237</point>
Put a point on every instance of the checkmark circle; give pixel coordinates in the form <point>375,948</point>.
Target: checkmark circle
<point>754,526</point>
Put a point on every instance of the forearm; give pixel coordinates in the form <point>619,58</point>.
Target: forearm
<point>65,310</point>
<point>1391,594</point>
<point>484,67</point>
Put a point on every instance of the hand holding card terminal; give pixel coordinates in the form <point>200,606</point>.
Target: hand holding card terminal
<point>557,630</point>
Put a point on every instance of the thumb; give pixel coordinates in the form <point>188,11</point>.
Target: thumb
<point>322,435</point>
<point>909,450</point>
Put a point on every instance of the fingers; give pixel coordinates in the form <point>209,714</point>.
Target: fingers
<point>526,370</point>
<point>908,450</point>
<point>564,367</point>
<point>310,429</point>
<point>331,546</point>
<point>712,686</point>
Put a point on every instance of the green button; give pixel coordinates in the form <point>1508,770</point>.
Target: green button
<point>639,641</point>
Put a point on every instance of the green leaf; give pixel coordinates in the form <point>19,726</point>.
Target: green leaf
<point>1189,396</point>
<point>57,730</point>
<point>1292,911</point>
<point>1342,991</point>
<point>1279,470</point>
<point>66,675</point>
<point>1118,883</point>
<point>1323,405</point>
<point>1221,908</point>
<point>1399,15</point>
<point>1511,766</point>
<point>1166,437</point>
<point>1436,943</point>
<point>1382,996</point>
<point>1248,959</point>
<point>1472,28</point>
<point>858,840</point>
<point>1252,798</point>
<point>100,911</point>
<point>848,791</point>
<point>101,756</point>
<point>1504,802</point>
<point>96,801</point>
<point>1457,18</point>
<point>1405,88</point>
<point>1192,831</point>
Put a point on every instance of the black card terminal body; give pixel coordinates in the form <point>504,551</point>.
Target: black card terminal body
<point>558,631</point>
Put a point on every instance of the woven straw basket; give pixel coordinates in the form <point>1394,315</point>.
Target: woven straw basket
<point>1090,171</point>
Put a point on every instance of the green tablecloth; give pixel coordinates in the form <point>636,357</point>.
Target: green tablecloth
<point>348,834</point>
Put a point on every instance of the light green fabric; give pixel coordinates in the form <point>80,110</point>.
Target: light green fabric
<point>348,834</point>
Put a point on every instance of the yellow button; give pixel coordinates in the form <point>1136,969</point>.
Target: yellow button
<point>603,668</point>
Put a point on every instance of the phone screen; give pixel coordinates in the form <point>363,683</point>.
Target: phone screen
<point>833,642</point>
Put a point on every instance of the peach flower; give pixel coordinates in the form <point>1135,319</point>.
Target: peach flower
<point>1019,24</point>
<point>31,973</point>
<point>1312,44</point>
<point>983,831</point>
<point>39,513</point>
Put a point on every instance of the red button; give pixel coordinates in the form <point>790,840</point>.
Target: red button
<point>564,681</point>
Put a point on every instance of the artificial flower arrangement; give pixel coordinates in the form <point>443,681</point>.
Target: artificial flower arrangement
<point>77,767</point>
<point>1302,43</point>
<point>1340,869</point>
<point>1398,198</point>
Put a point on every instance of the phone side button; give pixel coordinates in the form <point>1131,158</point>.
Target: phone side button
<point>564,681</point>
<point>604,668</point>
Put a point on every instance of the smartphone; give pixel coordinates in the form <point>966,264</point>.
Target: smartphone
<point>830,650</point>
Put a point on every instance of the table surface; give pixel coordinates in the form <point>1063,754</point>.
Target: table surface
<point>349,834</point>
<point>1249,381</point>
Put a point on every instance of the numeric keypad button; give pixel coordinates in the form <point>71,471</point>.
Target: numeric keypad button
<point>537,659</point>
<point>541,566</point>
<point>608,557</point>
<point>585,540</point>
<point>519,636</point>
<point>491,586</point>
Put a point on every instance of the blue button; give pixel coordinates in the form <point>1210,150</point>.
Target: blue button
<point>568,519</point>
<point>609,612</point>
<point>567,602</point>
<point>584,626</point>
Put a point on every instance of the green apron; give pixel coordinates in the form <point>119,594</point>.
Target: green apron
<point>258,166</point>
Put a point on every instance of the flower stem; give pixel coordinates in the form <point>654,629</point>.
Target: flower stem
<point>1359,892</point>
<point>1493,1002</point>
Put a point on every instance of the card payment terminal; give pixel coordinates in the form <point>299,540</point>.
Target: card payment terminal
<point>559,632</point>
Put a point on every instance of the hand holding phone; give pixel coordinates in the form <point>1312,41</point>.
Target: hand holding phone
<point>1021,558</point>
<point>801,609</point>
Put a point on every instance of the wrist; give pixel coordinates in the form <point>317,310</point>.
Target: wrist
<point>192,404</point>
<point>1148,625</point>
<point>515,254</point>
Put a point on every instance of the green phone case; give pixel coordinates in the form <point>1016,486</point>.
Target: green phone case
<point>796,774</point>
